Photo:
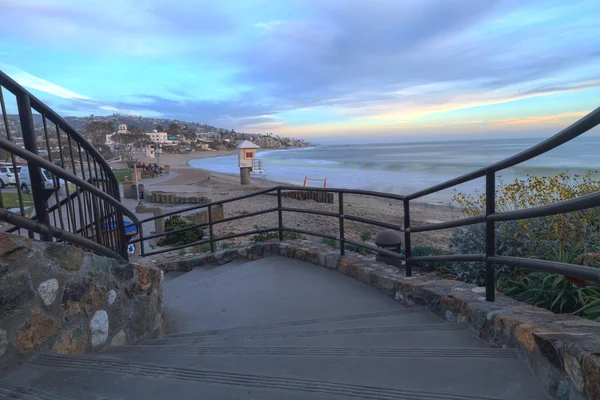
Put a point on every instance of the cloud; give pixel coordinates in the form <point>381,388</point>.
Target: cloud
<point>33,82</point>
<point>361,63</point>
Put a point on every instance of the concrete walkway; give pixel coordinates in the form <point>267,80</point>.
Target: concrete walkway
<point>276,329</point>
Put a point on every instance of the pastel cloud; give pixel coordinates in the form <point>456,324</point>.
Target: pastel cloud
<point>312,67</point>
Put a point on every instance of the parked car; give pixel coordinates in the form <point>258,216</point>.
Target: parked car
<point>7,176</point>
<point>25,180</point>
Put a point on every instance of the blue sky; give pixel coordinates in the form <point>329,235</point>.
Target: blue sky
<point>329,68</point>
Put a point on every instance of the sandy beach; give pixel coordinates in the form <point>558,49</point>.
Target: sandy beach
<point>222,186</point>
<point>180,161</point>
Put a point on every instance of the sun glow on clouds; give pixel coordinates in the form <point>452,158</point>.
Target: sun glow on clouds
<point>336,67</point>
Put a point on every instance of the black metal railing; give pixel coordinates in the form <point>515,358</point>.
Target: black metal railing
<point>489,257</point>
<point>74,192</point>
<point>89,212</point>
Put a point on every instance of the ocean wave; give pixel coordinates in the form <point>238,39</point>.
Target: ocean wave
<point>311,161</point>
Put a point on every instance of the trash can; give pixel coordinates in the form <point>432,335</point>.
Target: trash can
<point>391,240</point>
<point>139,191</point>
<point>130,234</point>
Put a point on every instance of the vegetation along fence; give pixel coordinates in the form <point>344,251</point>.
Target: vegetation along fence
<point>89,212</point>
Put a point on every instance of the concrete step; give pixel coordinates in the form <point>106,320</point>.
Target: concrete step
<point>400,316</point>
<point>424,335</point>
<point>204,272</point>
<point>303,322</point>
<point>277,378</point>
<point>270,290</point>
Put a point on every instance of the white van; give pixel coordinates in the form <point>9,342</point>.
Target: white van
<point>7,176</point>
<point>25,180</point>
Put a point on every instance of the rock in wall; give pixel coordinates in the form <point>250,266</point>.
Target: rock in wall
<point>56,298</point>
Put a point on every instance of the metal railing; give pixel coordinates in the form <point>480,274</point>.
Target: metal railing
<point>89,212</point>
<point>74,192</point>
<point>489,257</point>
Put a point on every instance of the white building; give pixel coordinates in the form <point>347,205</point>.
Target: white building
<point>122,128</point>
<point>109,141</point>
<point>158,137</point>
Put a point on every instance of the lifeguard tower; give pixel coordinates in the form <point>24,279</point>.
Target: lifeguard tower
<point>246,155</point>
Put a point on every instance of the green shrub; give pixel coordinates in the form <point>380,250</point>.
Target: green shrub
<point>558,294</point>
<point>358,249</point>
<point>263,237</point>
<point>225,245</point>
<point>366,236</point>
<point>182,252</point>
<point>188,236</point>
<point>334,244</point>
<point>423,251</point>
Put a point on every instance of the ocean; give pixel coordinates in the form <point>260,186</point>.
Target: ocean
<point>403,168</point>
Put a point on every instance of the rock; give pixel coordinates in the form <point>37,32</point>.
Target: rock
<point>524,335</point>
<point>3,342</point>
<point>15,291</point>
<point>219,255</point>
<point>145,317</point>
<point>122,272</point>
<point>257,249</point>
<point>12,244</point>
<point>119,339</point>
<point>573,369</point>
<point>37,329</point>
<point>591,368</point>
<point>66,256</point>
<point>550,349</point>
<point>72,342</point>
<point>48,290</point>
<point>143,277</point>
<point>99,328</point>
<point>478,290</point>
<point>82,297</point>
<point>243,252</point>
<point>111,297</point>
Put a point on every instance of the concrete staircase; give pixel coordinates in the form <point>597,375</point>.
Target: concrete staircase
<point>278,328</point>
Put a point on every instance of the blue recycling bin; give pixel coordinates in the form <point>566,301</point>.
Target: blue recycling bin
<point>130,234</point>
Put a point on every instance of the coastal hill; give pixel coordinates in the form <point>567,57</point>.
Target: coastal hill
<point>96,127</point>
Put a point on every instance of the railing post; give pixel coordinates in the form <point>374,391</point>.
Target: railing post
<point>210,229</point>
<point>141,242</point>
<point>341,218</point>
<point>407,245</point>
<point>40,201</point>
<point>280,214</point>
<point>490,234</point>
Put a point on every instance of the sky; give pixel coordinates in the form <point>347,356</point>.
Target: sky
<point>359,69</point>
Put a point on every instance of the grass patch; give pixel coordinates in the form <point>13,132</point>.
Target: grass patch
<point>11,200</point>
<point>122,174</point>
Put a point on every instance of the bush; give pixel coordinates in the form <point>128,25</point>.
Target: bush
<point>188,236</point>
<point>558,294</point>
<point>423,251</point>
<point>334,244</point>
<point>357,249</point>
<point>366,236</point>
<point>263,237</point>
<point>572,238</point>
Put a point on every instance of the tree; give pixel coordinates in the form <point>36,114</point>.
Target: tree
<point>173,129</point>
<point>133,129</point>
<point>160,128</point>
<point>98,129</point>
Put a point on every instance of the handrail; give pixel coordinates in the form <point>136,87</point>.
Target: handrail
<point>42,162</point>
<point>571,132</point>
<point>489,218</point>
<point>94,211</point>
<point>41,108</point>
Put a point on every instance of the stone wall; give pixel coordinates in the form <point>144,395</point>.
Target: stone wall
<point>56,298</point>
<point>562,350</point>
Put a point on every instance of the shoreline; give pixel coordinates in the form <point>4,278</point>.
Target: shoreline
<point>221,186</point>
